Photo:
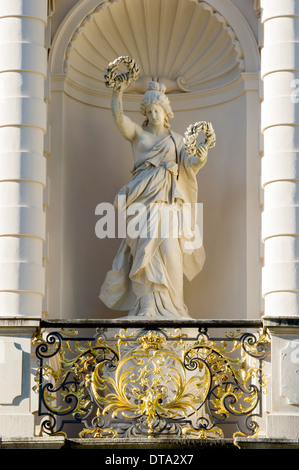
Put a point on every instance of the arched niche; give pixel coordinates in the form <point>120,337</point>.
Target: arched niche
<point>207,56</point>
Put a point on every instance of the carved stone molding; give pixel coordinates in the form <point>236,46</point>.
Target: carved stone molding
<point>290,372</point>
<point>11,357</point>
<point>257,7</point>
<point>51,8</point>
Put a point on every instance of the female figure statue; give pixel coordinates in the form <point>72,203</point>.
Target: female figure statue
<point>146,278</point>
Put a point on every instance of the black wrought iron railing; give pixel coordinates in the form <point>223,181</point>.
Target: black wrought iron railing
<point>155,379</point>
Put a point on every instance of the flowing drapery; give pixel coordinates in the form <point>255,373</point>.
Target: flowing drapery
<point>161,242</point>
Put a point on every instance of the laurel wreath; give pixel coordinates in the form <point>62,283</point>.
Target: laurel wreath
<point>191,135</point>
<point>113,80</point>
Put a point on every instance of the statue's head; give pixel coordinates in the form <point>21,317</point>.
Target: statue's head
<point>156,95</point>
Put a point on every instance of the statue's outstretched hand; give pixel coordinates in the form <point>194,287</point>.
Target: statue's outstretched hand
<point>121,85</point>
<point>202,151</point>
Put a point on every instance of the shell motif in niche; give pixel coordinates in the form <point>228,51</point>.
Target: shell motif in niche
<point>185,44</point>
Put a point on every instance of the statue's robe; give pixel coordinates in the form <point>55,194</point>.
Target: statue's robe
<point>147,273</point>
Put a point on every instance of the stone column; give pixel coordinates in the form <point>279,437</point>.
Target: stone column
<point>280,170</point>
<point>280,222</point>
<point>23,69</point>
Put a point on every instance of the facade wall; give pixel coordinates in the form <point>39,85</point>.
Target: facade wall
<point>60,156</point>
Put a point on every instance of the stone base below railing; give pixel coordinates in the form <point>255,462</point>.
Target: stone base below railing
<point>279,420</point>
<point>142,445</point>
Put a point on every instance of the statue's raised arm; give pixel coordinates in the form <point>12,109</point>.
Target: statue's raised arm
<point>119,83</point>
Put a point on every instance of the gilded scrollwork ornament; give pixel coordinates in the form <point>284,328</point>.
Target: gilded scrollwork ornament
<point>143,382</point>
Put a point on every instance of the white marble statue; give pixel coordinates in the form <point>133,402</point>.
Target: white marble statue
<point>146,279</point>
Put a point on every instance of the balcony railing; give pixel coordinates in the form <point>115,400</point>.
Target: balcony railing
<point>134,378</point>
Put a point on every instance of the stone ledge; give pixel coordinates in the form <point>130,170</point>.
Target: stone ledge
<point>147,444</point>
<point>278,322</point>
<point>266,443</point>
<point>19,322</point>
<point>192,445</point>
<point>54,442</point>
<point>150,322</point>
